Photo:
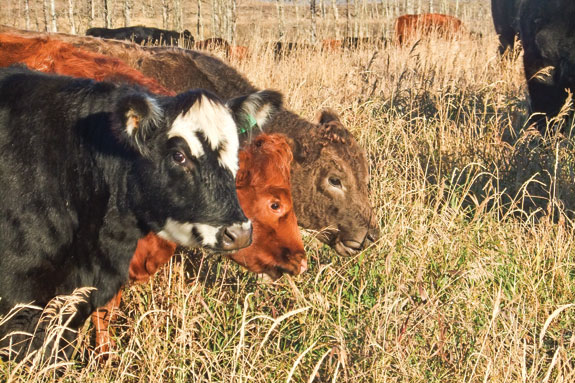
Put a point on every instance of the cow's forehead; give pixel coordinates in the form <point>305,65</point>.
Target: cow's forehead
<point>212,121</point>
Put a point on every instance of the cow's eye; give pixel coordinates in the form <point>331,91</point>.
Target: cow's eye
<point>335,182</point>
<point>275,205</point>
<point>179,158</point>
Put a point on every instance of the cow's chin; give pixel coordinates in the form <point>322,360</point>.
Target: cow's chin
<point>342,246</point>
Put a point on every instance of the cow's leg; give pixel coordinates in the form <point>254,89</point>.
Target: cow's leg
<point>101,319</point>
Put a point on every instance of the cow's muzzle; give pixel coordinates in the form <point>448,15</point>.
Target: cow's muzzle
<point>236,236</point>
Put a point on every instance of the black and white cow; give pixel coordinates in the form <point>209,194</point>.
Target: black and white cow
<point>141,35</point>
<point>547,30</point>
<point>87,168</point>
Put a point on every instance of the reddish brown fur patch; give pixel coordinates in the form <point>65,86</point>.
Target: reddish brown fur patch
<point>237,52</point>
<point>409,26</point>
<point>264,179</point>
<point>53,56</point>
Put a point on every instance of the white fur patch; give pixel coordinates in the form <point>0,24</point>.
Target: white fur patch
<point>183,233</point>
<point>263,114</point>
<point>215,121</point>
<point>180,233</point>
<point>252,107</point>
<point>209,234</point>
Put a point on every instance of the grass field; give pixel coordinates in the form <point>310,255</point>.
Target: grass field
<point>472,279</point>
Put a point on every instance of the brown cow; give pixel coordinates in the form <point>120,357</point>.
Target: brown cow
<point>53,56</point>
<point>330,171</point>
<point>411,26</point>
<point>330,45</point>
<point>237,52</point>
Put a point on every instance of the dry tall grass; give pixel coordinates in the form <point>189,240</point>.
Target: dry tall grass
<point>471,281</point>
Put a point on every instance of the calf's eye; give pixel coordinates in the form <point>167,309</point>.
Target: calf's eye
<point>335,182</point>
<point>275,206</point>
<point>179,158</point>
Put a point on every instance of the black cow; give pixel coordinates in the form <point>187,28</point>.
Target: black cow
<point>142,35</point>
<point>87,168</point>
<point>506,21</point>
<point>547,31</point>
<point>284,49</point>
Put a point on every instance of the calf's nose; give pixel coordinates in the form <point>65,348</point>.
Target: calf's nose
<point>237,236</point>
<point>303,265</point>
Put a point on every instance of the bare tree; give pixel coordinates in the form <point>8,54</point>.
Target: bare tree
<point>27,13</point>
<point>217,19</point>
<point>233,20</point>
<point>128,6</point>
<point>312,12</point>
<point>431,6</point>
<point>281,18</point>
<point>178,16</point>
<point>71,17</point>
<point>107,14</point>
<point>46,16</point>
<point>91,15</point>
<point>200,24</point>
<point>355,19</point>
<point>335,18</point>
<point>165,13</point>
<point>53,16</point>
<point>347,28</point>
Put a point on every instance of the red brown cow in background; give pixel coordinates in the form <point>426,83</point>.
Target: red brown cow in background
<point>265,187</point>
<point>410,26</point>
<point>330,45</point>
<point>238,52</point>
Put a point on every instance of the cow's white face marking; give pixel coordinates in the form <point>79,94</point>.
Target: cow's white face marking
<point>190,234</point>
<point>180,233</point>
<point>194,234</point>
<point>215,122</point>
<point>208,233</point>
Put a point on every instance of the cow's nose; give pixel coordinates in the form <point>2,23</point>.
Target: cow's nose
<point>237,236</point>
<point>303,264</point>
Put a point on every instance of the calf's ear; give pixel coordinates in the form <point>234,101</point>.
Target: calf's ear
<point>326,115</point>
<point>137,117</point>
<point>255,109</point>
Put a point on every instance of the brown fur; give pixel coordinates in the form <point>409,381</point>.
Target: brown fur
<point>321,149</point>
<point>410,26</point>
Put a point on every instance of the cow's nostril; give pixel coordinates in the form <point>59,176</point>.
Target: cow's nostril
<point>371,237</point>
<point>236,237</point>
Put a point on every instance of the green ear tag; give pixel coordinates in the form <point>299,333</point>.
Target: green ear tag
<point>250,123</point>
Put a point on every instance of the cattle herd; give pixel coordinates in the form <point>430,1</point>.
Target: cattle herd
<point>112,154</point>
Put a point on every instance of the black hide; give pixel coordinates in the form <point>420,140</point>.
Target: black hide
<point>78,188</point>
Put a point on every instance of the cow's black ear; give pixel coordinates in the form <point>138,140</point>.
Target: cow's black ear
<point>326,115</point>
<point>138,115</point>
<point>255,109</point>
